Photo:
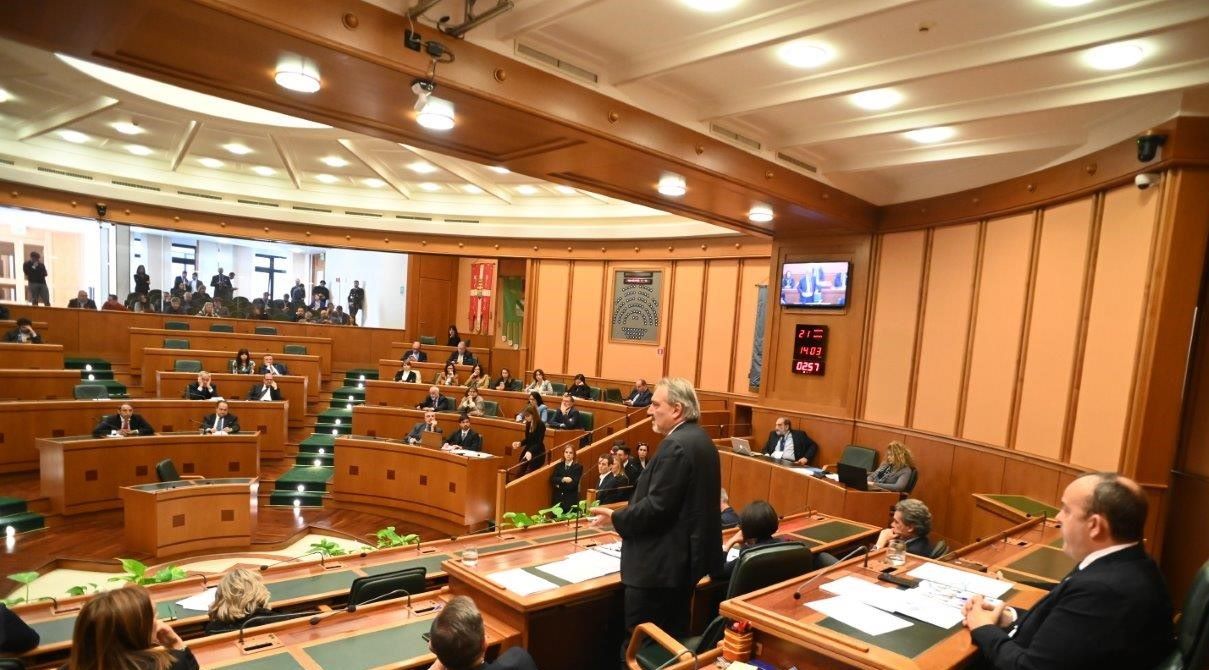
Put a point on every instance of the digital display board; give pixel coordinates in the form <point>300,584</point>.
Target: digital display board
<point>809,349</point>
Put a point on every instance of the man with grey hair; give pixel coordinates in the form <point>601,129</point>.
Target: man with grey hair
<point>911,524</point>
<point>459,641</point>
<point>671,530</point>
<point>730,518</point>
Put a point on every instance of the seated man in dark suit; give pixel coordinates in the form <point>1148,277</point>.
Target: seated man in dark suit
<point>464,437</point>
<point>1112,613</point>
<point>406,374</point>
<point>221,421</point>
<point>458,640</point>
<point>435,401</point>
<point>640,395</point>
<point>462,356</point>
<point>266,389</point>
<point>730,518</point>
<point>613,486</point>
<point>566,417</point>
<point>124,423</point>
<point>428,425</point>
<point>16,636</point>
<point>629,466</point>
<point>788,443</point>
<point>24,333</point>
<point>202,389</point>
<point>911,524</point>
<point>81,301</point>
<point>271,367</point>
<point>414,354</point>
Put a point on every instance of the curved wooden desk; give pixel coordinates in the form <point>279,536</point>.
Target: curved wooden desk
<point>169,385</point>
<point>155,360</point>
<point>259,345</point>
<point>439,353</point>
<point>167,518</point>
<point>85,474</point>
<point>498,434</point>
<point>30,384</point>
<point>32,356</point>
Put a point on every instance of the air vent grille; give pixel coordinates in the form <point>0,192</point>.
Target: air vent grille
<point>369,214</point>
<point>64,173</point>
<point>5,161</point>
<point>194,194</point>
<point>796,162</point>
<point>130,184</point>
<point>413,218</point>
<point>733,136</point>
<point>320,210</point>
<point>461,220</point>
<point>258,203</point>
<point>563,66</point>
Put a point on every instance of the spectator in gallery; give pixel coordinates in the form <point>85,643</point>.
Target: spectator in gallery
<point>617,487</point>
<point>462,356</point>
<point>266,390</point>
<point>195,284</point>
<point>644,456</point>
<point>118,629</point>
<point>454,338</point>
<point>356,301</point>
<point>532,445</point>
<point>339,318</point>
<point>207,309</point>
<point>142,304</point>
<point>640,395</point>
<point>81,301</point>
<point>448,377</point>
<point>895,473</point>
<point>406,374</point>
<point>297,292</point>
<point>579,388</point>
<point>621,453</point>
<point>35,279</point>
<point>435,401</point>
<point>24,333</point>
<point>142,280</point>
<point>299,314</point>
<point>322,291</point>
<point>536,404</point>
<point>540,384</point>
<point>428,425</point>
<point>182,283</point>
<point>566,417</point>
<point>175,306</point>
<point>415,354</point>
<point>113,304</point>
<point>257,313</point>
<point>506,382</point>
<point>243,363</point>
<point>564,480</point>
<point>478,378</point>
<point>472,404</point>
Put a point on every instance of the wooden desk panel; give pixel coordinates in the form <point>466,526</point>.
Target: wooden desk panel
<point>38,384</point>
<point>259,345</point>
<point>21,423</point>
<point>157,360</point>
<point>31,356</point>
<point>85,474</point>
<point>198,514</point>
<point>441,353</point>
<point>428,371</point>
<point>453,493</point>
<point>498,434</point>
<point>169,385</point>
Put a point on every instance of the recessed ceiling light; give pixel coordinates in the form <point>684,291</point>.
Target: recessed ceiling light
<point>1068,3</point>
<point>436,114</point>
<point>429,186</point>
<point>333,161</point>
<point>565,190</point>
<point>211,162</point>
<point>471,188</point>
<point>930,135</point>
<point>237,148</point>
<point>526,189</point>
<point>5,96</point>
<point>74,136</point>
<point>760,214</point>
<point>327,178</point>
<point>422,167</point>
<point>673,185</point>
<point>138,150</point>
<point>800,53</point>
<point>297,75</point>
<point>499,169</point>
<point>1115,56</point>
<point>877,98</point>
<point>264,170</point>
<point>127,128</point>
<point>373,182</point>
<point>711,5</point>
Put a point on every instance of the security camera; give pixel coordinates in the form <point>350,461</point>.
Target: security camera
<point>1148,147</point>
<point>1145,180</point>
<point>423,88</point>
<point>102,208</point>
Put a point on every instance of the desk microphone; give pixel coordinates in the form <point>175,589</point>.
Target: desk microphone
<point>55,606</point>
<point>269,618</point>
<point>352,607</point>
<point>266,566</point>
<point>201,426</point>
<point>864,548</point>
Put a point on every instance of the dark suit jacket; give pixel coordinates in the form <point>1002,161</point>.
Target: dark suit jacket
<point>414,355</point>
<point>640,398</point>
<point>468,359</point>
<point>112,422</point>
<point>442,404</point>
<point>195,392</point>
<point>614,489</point>
<point>414,435</point>
<point>671,530</point>
<point>414,376</point>
<point>230,422</point>
<point>803,446</point>
<point>566,495</point>
<point>15,635</point>
<point>919,546</point>
<point>281,369</point>
<point>515,658</point>
<point>729,517</point>
<point>75,303</point>
<point>568,421</point>
<point>534,443</point>
<point>473,441</point>
<point>258,389</point>
<point>1115,615</point>
<point>14,335</point>
<point>632,471</point>
<point>582,392</point>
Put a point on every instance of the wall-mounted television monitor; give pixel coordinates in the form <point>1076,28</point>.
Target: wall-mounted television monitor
<point>815,284</point>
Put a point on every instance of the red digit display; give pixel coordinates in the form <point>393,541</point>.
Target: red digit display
<point>809,349</point>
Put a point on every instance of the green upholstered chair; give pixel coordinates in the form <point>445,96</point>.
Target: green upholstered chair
<point>428,339</point>
<point>176,325</point>
<point>171,343</point>
<point>911,482</point>
<point>612,395</point>
<point>587,421</point>
<point>514,385</point>
<point>90,392</point>
<point>186,365</point>
<point>265,330</point>
<point>222,328</point>
<point>594,393</point>
<point>862,457</point>
<point>491,408</point>
<point>559,388</point>
<point>294,349</point>
<point>939,549</point>
<point>407,582</point>
<point>1192,631</point>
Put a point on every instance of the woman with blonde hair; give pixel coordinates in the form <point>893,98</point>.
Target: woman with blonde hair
<point>117,630</point>
<point>241,595</point>
<point>895,472</point>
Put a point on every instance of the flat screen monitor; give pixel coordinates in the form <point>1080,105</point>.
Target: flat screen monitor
<point>815,284</point>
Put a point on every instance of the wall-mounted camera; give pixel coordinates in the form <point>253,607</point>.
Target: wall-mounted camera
<point>1148,147</point>
<point>102,209</point>
<point>1145,180</point>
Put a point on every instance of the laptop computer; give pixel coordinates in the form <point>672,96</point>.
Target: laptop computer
<point>740,445</point>
<point>431,439</point>
<point>853,476</point>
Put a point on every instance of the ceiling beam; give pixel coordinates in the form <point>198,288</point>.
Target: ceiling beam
<point>376,166</point>
<point>460,170</point>
<point>865,161</point>
<point>182,147</point>
<point>528,18</point>
<point>286,161</point>
<point>65,117</point>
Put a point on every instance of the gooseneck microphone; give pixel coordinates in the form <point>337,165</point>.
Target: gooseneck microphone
<point>269,618</point>
<point>863,549</point>
<point>266,566</point>
<point>352,607</point>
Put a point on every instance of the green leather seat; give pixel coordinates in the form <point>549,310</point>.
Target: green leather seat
<point>1192,633</point>
<point>586,420</point>
<point>90,392</point>
<point>559,388</point>
<point>221,328</point>
<point>612,395</point>
<point>294,349</point>
<point>428,339</point>
<point>186,365</point>
<point>491,408</point>
<point>594,393</point>
<point>265,330</point>
<point>859,456</point>
<point>176,325</point>
<point>170,343</point>
<point>939,549</point>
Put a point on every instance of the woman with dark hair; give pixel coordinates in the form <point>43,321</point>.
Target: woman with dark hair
<point>532,446</point>
<point>479,379</point>
<point>540,383</point>
<point>142,281</point>
<point>118,630</point>
<point>243,364</point>
<point>507,382</point>
<point>537,405</point>
<point>580,389</point>
<point>447,378</point>
<point>757,525</point>
<point>454,337</point>
<point>565,480</point>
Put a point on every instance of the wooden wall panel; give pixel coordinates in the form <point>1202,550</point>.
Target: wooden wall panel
<point>584,325</point>
<point>974,471</point>
<point>1053,326</point>
<point>754,273</point>
<point>550,315</point>
<point>1002,289</point>
<point>1114,324</point>
<point>684,327</point>
<point>942,351</point>
<point>717,354</point>
<point>895,313</point>
<point>624,360</point>
<point>1033,480</point>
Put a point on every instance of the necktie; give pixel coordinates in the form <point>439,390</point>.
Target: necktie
<point>125,423</point>
<point>218,423</point>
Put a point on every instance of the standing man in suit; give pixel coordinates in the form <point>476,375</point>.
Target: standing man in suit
<point>270,367</point>
<point>1111,613</point>
<point>356,300</point>
<point>266,389</point>
<point>464,437</point>
<point>428,425</point>
<point>221,421</point>
<point>297,293</point>
<point>124,423</point>
<point>81,301</point>
<point>220,283</point>
<point>640,395</point>
<point>414,354</point>
<point>462,356</point>
<point>671,533</point>
<point>435,401</point>
<point>202,389</point>
<point>35,279</point>
<point>458,640</point>
<point>787,443</point>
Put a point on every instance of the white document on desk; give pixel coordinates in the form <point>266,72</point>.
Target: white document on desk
<point>582,566</point>
<point>521,582</point>
<point>200,602</point>
<point>961,580</point>
<point>917,603</point>
<point>857,614</point>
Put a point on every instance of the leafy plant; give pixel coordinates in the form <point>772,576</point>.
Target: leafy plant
<point>549,514</point>
<point>25,578</point>
<point>136,573</point>
<point>328,548</point>
<point>83,589</point>
<point>387,537</point>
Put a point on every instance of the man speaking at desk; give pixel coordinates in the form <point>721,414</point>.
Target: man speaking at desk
<point>221,422</point>
<point>671,532</point>
<point>1111,613</point>
<point>124,423</point>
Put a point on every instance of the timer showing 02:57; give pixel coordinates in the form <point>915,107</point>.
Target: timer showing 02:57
<point>807,367</point>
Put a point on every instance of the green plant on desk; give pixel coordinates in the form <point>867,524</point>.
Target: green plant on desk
<point>549,514</point>
<point>387,537</point>
<point>83,589</point>
<point>136,573</point>
<point>328,548</point>
<point>25,578</point>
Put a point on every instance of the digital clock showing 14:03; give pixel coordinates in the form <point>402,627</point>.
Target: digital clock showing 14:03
<point>809,349</point>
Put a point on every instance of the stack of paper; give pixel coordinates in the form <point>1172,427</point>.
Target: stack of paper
<point>961,580</point>
<point>520,582</point>
<point>200,602</point>
<point>860,616</point>
<point>918,603</point>
<point>582,566</point>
